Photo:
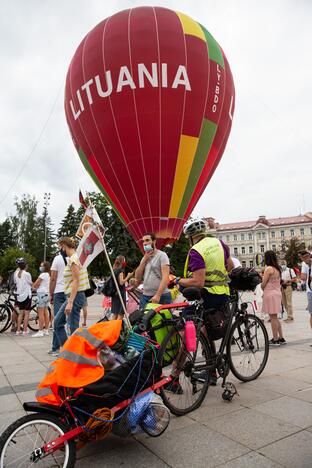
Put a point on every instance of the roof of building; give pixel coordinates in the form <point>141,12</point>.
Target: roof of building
<point>273,222</point>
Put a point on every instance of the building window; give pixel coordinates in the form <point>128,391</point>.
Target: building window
<point>243,250</point>
<point>227,238</point>
<point>235,237</point>
<point>262,248</point>
<point>301,231</point>
<point>259,235</point>
<point>282,233</point>
<point>243,263</point>
<point>263,235</point>
<point>235,251</point>
<point>292,232</point>
<point>274,247</point>
<point>250,236</point>
<point>310,230</point>
<point>251,263</point>
<point>242,237</point>
<point>273,234</point>
<point>250,249</point>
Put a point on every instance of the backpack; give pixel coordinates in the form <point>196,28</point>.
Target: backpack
<point>11,282</point>
<point>109,288</point>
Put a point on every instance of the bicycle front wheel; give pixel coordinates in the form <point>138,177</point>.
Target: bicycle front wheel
<point>248,348</point>
<point>186,392</point>
<point>5,317</point>
<point>21,440</point>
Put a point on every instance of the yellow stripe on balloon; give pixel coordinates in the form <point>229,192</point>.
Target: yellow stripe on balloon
<point>190,26</point>
<point>187,150</point>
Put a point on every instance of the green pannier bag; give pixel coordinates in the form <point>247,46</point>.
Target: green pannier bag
<point>159,329</point>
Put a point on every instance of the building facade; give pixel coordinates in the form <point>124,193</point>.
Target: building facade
<point>249,238</point>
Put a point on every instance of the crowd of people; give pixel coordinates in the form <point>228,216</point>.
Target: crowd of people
<point>207,266</point>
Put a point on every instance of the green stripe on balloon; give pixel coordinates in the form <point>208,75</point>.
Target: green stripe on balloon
<point>207,135</point>
<point>214,50</point>
<point>89,169</point>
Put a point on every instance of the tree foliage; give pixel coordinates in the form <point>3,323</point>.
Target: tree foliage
<point>290,249</point>
<point>7,262</point>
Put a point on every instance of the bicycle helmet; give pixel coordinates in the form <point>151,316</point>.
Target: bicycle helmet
<point>21,261</point>
<point>194,227</point>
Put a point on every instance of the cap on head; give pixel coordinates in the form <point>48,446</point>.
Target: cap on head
<point>195,227</point>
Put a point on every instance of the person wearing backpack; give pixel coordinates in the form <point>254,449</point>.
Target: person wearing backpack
<point>288,279</point>
<point>119,272</point>
<point>23,283</point>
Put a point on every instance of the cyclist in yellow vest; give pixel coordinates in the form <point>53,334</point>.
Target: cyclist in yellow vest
<point>206,267</point>
<point>207,264</point>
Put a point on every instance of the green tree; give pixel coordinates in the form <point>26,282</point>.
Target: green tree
<point>24,223</point>
<point>7,262</point>
<point>290,249</point>
<point>6,236</point>
<point>177,253</point>
<point>69,224</point>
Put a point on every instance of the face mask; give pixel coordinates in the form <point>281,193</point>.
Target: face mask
<point>284,267</point>
<point>124,264</point>
<point>148,248</point>
<point>41,269</point>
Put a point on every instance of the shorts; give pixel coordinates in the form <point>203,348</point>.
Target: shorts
<point>43,299</point>
<point>24,305</point>
<point>309,295</point>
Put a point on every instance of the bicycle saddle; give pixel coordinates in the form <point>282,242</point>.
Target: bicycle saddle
<point>192,293</point>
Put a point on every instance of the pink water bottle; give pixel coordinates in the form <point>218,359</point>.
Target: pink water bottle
<point>190,336</point>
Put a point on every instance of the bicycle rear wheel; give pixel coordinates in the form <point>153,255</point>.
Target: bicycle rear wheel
<point>248,347</point>
<point>33,322</point>
<point>21,439</point>
<point>5,317</point>
<point>193,369</point>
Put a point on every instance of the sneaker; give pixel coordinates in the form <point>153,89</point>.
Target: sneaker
<point>18,333</point>
<point>288,320</point>
<point>26,333</point>
<point>282,341</point>
<point>39,334</point>
<point>46,332</point>
<point>53,353</point>
<point>274,343</point>
<point>174,386</point>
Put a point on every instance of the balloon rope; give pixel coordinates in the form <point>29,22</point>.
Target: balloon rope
<point>113,275</point>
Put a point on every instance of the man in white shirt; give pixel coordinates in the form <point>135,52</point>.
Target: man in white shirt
<point>306,275</point>
<point>57,296</point>
<point>288,277</point>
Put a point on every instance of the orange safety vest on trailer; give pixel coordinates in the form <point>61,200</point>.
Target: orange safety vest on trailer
<point>77,365</point>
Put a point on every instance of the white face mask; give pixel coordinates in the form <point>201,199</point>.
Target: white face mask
<point>284,267</point>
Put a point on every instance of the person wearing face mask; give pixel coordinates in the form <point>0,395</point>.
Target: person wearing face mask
<point>42,285</point>
<point>119,272</point>
<point>57,295</point>
<point>288,277</point>
<point>153,271</point>
<point>76,282</point>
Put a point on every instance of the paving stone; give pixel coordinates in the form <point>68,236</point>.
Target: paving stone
<point>129,453</point>
<point>305,395</point>
<point>3,381</point>
<point>282,385</point>
<point>26,396</point>
<point>200,447</point>
<point>9,403</point>
<point>22,368</point>
<point>251,459</point>
<point>251,428</point>
<point>288,409</point>
<point>293,451</point>
<point>304,374</point>
<point>26,377</point>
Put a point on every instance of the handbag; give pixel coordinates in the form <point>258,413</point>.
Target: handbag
<point>90,291</point>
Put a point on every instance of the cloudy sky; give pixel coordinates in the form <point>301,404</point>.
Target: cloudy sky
<point>266,167</point>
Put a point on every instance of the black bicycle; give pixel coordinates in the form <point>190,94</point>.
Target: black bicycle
<point>7,308</point>
<point>243,350</point>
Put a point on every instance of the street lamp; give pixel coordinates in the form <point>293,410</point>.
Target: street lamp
<point>46,202</point>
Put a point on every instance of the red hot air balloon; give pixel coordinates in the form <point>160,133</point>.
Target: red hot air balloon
<point>149,102</point>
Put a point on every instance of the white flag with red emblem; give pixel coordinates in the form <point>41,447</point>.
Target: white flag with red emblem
<point>90,246</point>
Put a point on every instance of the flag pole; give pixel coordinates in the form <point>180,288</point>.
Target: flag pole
<point>101,236</point>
